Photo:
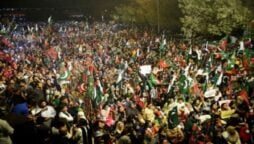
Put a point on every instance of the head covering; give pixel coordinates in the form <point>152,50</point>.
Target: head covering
<point>81,115</point>
<point>124,140</point>
<point>231,130</point>
<point>99,133</point>
<point>119,127</point>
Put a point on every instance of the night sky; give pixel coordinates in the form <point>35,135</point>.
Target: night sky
<point>88,7</point>
<point>44,3</point>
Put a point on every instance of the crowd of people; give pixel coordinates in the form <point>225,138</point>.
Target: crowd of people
<point>81,83</point>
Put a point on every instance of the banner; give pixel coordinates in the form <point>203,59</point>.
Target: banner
<point>145,69</point>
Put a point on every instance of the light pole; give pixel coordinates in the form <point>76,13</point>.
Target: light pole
<point>158,15</point>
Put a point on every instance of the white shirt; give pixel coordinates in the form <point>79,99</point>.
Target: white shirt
<point>66,115</point>
<point>50,112</point>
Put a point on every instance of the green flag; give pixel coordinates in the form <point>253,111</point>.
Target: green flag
<point>173,120</point>
<point>97,97</point>
<point>152,82</point>
<point>248,54</point>
<point>232,61</point>
<point>225,55</point>
<point>183,84</point>
<point>64,75</point>
<point>98,93</point>
<point>90,86</point>
<point>163,45</point>
<point>50,20</point>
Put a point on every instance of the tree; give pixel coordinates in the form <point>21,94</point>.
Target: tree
<point>250,5</point>
<point>146,12</point>
<point>212,17</point>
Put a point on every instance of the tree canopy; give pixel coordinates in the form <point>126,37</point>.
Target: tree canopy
<point>150,12</point>
<point>215,17</point>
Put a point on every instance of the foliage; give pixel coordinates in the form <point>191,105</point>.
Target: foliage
<point>250,5</point>
<point>146,12</point>
<point>216,17</point>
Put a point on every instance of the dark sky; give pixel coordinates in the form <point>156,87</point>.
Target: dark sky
<point>59,8</point>
<point>45,3</point>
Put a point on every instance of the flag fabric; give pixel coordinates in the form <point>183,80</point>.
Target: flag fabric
<point>81,88</point>
<point>171,83</point>
<point>98,90</point>
<point>36,28</point>
<point>244,96</point>
<point>219,80</point>
<point>247,57</point>
<point>189,54</point>
<point>163,45</point>
<point>173,120</point>
<point>232,61</point>
<point>209,63</point>
<point>64,75</point>
<point>90,86</point>
<point>120,76</point>
<point>197,90</point>
<point>6,42</point>
<point>183,84</point>
<point>110,120</point>
<point>152,81</point>
<point>50,20</point>
<point>52,53</point>
<point>225,55</point>
<point>163,64</point>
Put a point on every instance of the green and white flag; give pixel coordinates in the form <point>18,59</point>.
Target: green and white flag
<point>50,20</point>
<point>163,45</point>
<point>173,120</point>
<point>219,81</point>
<point>152,81</point>
<point>171,83</point>
<point>241,43</point>
<point>90,86</point>
<point>36,28</point>
<point>232,61</point>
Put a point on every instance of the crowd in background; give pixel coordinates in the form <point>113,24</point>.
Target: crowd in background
<point>81,83</point>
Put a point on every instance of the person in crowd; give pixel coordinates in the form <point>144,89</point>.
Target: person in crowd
<point>6,131</point>
<point>75,82</point>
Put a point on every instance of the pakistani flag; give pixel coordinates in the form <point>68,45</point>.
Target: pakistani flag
<point>163,45</point>
<point>152,81</point>
<point>98,92</point>
<point>248,54</point>
<point>173,120</point>
<point>90,86</point>
<point>64,74</point>
<point>183,84</point>
<point>50,20</point>
<point>219,80</point>
<point>188,54</point>
<point>232,61</point>
<point>224,54</point>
